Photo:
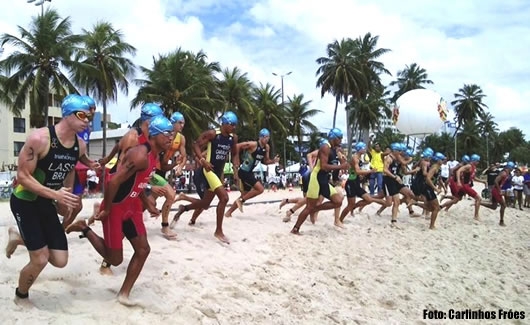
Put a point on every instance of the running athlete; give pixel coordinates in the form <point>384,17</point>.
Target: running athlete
<point>496,196</point>
<point>122,209</point>
<point>254,152</point>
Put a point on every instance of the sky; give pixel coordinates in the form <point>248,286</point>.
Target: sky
<point>467,42</point>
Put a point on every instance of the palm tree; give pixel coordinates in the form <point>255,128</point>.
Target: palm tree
<point>468,105</point>
<point>41,53</point>
<point>338,73</point>
<point>366,54</point>
<point>182,81</point>
<point>298,114</point>
<point>366,114</point>
<point>469,140</point>
<point>270,113</point>
<point>412,77</point>
<point>487,124</point>
<point>104,67</point>
<point>235,88</point>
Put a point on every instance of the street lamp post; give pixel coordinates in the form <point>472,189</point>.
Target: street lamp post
<point>284,152</point>
<point>39,3</point>
<point>487,149</point>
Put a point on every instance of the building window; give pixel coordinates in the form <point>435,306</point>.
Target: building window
<point>19,125</point>
<point>17,147</point>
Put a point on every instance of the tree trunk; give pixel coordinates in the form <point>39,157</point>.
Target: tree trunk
<point>104,149</point>
<point>46,103</point>
<point>335,112</point>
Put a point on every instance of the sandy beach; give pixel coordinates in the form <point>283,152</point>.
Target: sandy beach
<point>367,273</point>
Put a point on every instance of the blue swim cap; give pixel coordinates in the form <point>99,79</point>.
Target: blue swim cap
<point>428,153</point>
<point>159,124</point>
<point>438,156</point>
<point>360,146</point>
<point>475,157</point>
<point>176,117</point>
<point>409,153</point>
<point>510,165</point>
<point>150,110</point>
<point>402,147</point>
<point>229,118</point>
<point>322,141</point>
<point>466,159</point>
<point>264,133</point>
<point>73,103</point>
<point>395,146</point>
<point>91,103</point>
<point>335,134</point>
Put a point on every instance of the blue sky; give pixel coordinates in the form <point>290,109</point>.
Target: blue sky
<point>481,42</point>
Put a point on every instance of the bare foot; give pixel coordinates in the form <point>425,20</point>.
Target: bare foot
<point>228,214</point>
<point>339,224</point>
<point>239,204</point>
<point>502,224</point>
<point>477,219</point>
<point>288,215</point>
<point>105,270</point>
<point>124,300</point>
<point>283,202</point>
<point>295,231</point>
<point>192,222</point>
<point>177,217</point>
<point>13,242</point>
<point>221,237</point>
<point>432,228</point>
<point>77,226</point>
<point>168,233</point>
<point>179,197</point>
<point>379,212</point>
<point>23,302</point>
<point>393,224</point>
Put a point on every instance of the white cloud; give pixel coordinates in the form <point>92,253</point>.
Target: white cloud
<point>465,42</point>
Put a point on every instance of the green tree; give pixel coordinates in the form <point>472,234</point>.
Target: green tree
<point>468,104</point>
<point>35,67</point>
<point>270,113</point>
<point>104,66</point>
<point>443,143</point>
<point>387,136</point>
<point>183,81</point>
<point>235,89</point>
<point>338,73</point>
<point>298,116</point>
<point>412,77</point>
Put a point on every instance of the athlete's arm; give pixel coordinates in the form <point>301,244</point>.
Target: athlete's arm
<point>430,175</point>
<point>459,174</point>
<point>103,161</point>
<point>135,160</point>
<point>235,156</point>
<point>312,158</point>
<point>200,143</point>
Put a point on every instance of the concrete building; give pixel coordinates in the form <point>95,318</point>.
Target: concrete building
<point>16,130</point>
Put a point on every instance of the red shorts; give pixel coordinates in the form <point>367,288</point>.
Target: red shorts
<point>496,196</point>
<point>469,190</point>
<point>125,219</point>
<point>456,191</point>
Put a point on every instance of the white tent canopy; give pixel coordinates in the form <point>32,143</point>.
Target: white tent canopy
<point>293,168</point>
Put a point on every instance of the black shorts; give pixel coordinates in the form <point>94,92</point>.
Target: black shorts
<point>305,182</point>
<point>429,193</point>
<point>201,184</point>
<point>353,188</point>
<point>39,224</point>
<point>392,187</point>
<point>247,180</point>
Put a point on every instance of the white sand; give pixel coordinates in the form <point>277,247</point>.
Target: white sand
<point>367,273</point>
